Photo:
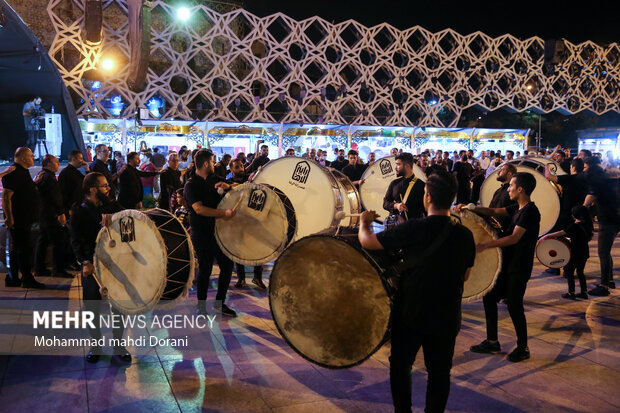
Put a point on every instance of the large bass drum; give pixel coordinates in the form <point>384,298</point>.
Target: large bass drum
<point>488,263</point>
<point>330,299</point>
<point>311,188</point>
<point>149,260</point>
<point>264,225</point>
<point>546,195</point>
<point>377,179</point>
<point>351,203</point>
<point>531,161</point>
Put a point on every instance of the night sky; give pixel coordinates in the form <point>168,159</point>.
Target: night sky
<point>592,20</point>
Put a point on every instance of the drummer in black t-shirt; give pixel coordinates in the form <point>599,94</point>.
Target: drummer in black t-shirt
<point>202,197</point>
<point>427,305</point>
<point>518,259</point>
<point>354,170</point>
<point>501,198</point>
<point>399,191</point>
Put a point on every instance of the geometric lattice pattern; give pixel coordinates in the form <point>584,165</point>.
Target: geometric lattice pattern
<point>236,66</point>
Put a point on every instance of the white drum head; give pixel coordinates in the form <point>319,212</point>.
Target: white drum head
<point>260,230</point>
<point>134,270</point>
<point>545,196</point>
<point>312,190</point>
<point>553,252</point>
<point>377,179</point>
<point>553,166</point>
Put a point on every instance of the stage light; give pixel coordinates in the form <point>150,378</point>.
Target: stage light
<point>183,14</point>
<point>108,64</point>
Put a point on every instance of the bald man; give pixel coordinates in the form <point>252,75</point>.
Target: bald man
<point>20,202</point>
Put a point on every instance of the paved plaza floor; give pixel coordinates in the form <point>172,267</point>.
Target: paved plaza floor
<point>247,367</point>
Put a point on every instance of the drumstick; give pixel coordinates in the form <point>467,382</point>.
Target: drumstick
<point>238,201</point>
<point>342,214</point>
<point>111,242</point>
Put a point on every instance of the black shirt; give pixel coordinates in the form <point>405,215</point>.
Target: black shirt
<point>84,227</point>
<point>202,190</point>
<point>339,164</point>
<point>169,182</point>
<point>70,181</point>
<point>99,166</point>
<point>519,258</point>
<point>574,191</point>
<point>429,295</point>
<point>463,172</point>
<point>131,192</point>
<point>354,172</point>
<point>579,238</point>
<point>221,170</point>
<point>256,163</point>
<point>396,192</point>
<point>50,198</point>
<point>501,199</point>
<point>606,203</point>
<point>24,202</point>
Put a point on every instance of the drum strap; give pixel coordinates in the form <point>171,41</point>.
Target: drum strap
<point>404,199</point>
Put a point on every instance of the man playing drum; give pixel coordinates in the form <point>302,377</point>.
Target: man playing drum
<point>404,196</point>
<point>518,250</point>
<point>86,221</point>
<point>427,305</point>
<point>501,197</point>
<point>201,195</point>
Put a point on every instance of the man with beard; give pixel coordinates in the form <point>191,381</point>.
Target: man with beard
<point>100,164</point>
<point>404,197</point>
<point>169,181</point>
<point>202,198</point>
<point>340,161</point>
<point>371,159</point>
<point>290,152</point>
<point>86,221</point>
<point>354,170</point>
<point>239,177</point>
<point>463,171</point>
<point>260,160</point>
<point>501,198</point>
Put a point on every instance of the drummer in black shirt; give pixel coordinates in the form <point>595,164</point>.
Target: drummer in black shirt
<point>518,259</point>
<point>413,207</point>
<point>354,170</point>
<point>202,198</point>
<point>86,221</point>
<point>427,305</point>
<point>340,162</point>
<point>501,198</point>
<point>169,181</point>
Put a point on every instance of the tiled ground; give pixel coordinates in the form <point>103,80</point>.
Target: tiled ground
<point>247,367</point>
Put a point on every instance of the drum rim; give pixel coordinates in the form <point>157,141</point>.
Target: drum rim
<point>563,240</point>
<point>538,159</point>
<point>493,233</point>
<point>387,334</point>
<point>291,233</point>
<point>337,198</point>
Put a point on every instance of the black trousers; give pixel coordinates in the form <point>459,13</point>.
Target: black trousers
<point>206,251</point>
<point>258,272</point>
<point>569,271</point>
<point>51,233</point>
<point>438,352</point>
<point>20,251</point>
<point>92,302</point>
<point>510,286</point>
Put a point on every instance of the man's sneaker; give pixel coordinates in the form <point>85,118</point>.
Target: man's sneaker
<point>94,354</point>
<point>32,283</point>
<point>12,282</point>
<point>202,309</point>
<point>240,284</point>
<point>611,284</point>
<point>224,309</point>
<point>570,296</point>
<point>122,354</point>
<point>486,347</point>
<point>552,271</point>
<point>259,283</point>
<point>599,291</point>
<point>519,354</point>
<point>583,295</point>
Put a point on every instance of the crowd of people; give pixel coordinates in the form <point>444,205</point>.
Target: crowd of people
<point>73,205</point>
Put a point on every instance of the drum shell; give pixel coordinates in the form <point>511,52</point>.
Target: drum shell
<point>229,234</point>
<point>351,203</point>
<point>301,305</point>
<point>546,195</point>
<point>169,280</point>
<point>310,187</point>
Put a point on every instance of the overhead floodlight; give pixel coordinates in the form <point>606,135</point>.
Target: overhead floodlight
<point>108,64</point>
<point>183,13</point>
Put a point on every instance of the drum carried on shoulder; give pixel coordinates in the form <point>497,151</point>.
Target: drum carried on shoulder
<point>144,258</point>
